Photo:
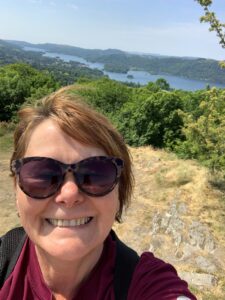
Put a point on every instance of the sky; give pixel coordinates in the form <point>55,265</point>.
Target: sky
<point>166,27</point>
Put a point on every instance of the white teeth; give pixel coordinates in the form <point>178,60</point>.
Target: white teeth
<point>69,223</point>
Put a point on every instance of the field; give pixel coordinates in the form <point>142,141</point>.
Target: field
<point>171,196</point>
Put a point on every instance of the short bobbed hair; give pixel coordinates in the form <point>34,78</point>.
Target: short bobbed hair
<point>82,123</point>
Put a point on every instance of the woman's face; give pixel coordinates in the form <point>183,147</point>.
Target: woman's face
<point>69,203</point>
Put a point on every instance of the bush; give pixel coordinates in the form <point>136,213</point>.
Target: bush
<point>205,133</point>
<point>151,121</point>
<point>17,83</point>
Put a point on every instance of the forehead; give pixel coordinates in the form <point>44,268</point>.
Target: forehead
<point>48,140</point>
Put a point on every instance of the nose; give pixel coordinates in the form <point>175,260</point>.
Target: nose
<point>69,193</point>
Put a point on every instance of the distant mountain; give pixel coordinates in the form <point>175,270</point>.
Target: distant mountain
<point>69,50</point>
<point>119,61</point>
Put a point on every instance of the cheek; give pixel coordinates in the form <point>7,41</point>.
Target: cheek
<point>117,201</point>
<point>26,206</point>
<point>111,204</point>
<point>116,196</point>
<point>20,199</point>
<point>22,208</point>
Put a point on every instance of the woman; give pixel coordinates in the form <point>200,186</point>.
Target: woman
<point>73,177</point>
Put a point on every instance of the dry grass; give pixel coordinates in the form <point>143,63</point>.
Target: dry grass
<point>162,179</point>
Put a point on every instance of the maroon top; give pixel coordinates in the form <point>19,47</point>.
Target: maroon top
<point>152,279</point>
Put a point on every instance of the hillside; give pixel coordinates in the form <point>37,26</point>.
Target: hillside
<point>63,72</point>
<point>175,212</point>
<point>119,61</point>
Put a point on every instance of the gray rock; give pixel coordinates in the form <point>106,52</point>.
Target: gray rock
<point>173,209</point>
<point>156,223</point>
<point>209,244</point>
<point>182,208</point>
<point>192,244</point>
<point>200,237</point>
<point>165,220</point>
<point>197,235</point>
<point>205,264</point>
<point>199,279</point>
<point>156,242</point>
<point>175,225</point>
<point>188,251</point>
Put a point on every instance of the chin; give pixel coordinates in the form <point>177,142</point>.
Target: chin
<point>67,249</point>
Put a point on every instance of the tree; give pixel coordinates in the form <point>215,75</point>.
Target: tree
<point>205,132</point>
<point>163,84</point>
<point>106,95</point>
<point>205,136</point>
<point>17,83</point>
<point>159,84</point>
<point>151,120</point>
<point>215,24</point>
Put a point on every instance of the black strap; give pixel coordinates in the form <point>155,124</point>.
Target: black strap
<point>126,261</point>
<point>10,247</point>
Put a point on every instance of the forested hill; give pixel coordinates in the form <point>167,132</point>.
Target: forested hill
<point>63,72</point>
<point>120,61</point>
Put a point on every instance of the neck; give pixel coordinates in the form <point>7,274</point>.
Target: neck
<point>65,277</point>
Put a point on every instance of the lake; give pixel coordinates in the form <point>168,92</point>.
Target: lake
<point>141,77</point>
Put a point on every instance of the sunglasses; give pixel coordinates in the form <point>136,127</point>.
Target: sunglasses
<point>42,177</point>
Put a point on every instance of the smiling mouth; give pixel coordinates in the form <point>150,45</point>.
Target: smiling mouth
<point>69,223</point>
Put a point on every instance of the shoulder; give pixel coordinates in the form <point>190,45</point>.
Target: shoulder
<point>11,238</point>
<point>155,279</point>
<point>10,247</point>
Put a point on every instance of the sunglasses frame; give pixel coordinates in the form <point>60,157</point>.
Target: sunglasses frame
<point>17,164</point>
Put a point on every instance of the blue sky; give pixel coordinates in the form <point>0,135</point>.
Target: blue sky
<point>168,27</point>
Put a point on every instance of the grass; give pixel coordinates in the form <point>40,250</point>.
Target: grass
<point>217,181</point>
<point>174,175</point>
<point>6,144</point>
<point>184,176</point>
<point>6,137</point>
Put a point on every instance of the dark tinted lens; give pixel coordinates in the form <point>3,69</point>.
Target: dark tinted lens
<point>40,178</point>
<point>96,177</point>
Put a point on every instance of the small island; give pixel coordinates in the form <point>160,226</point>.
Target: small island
<point>129,76</point>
